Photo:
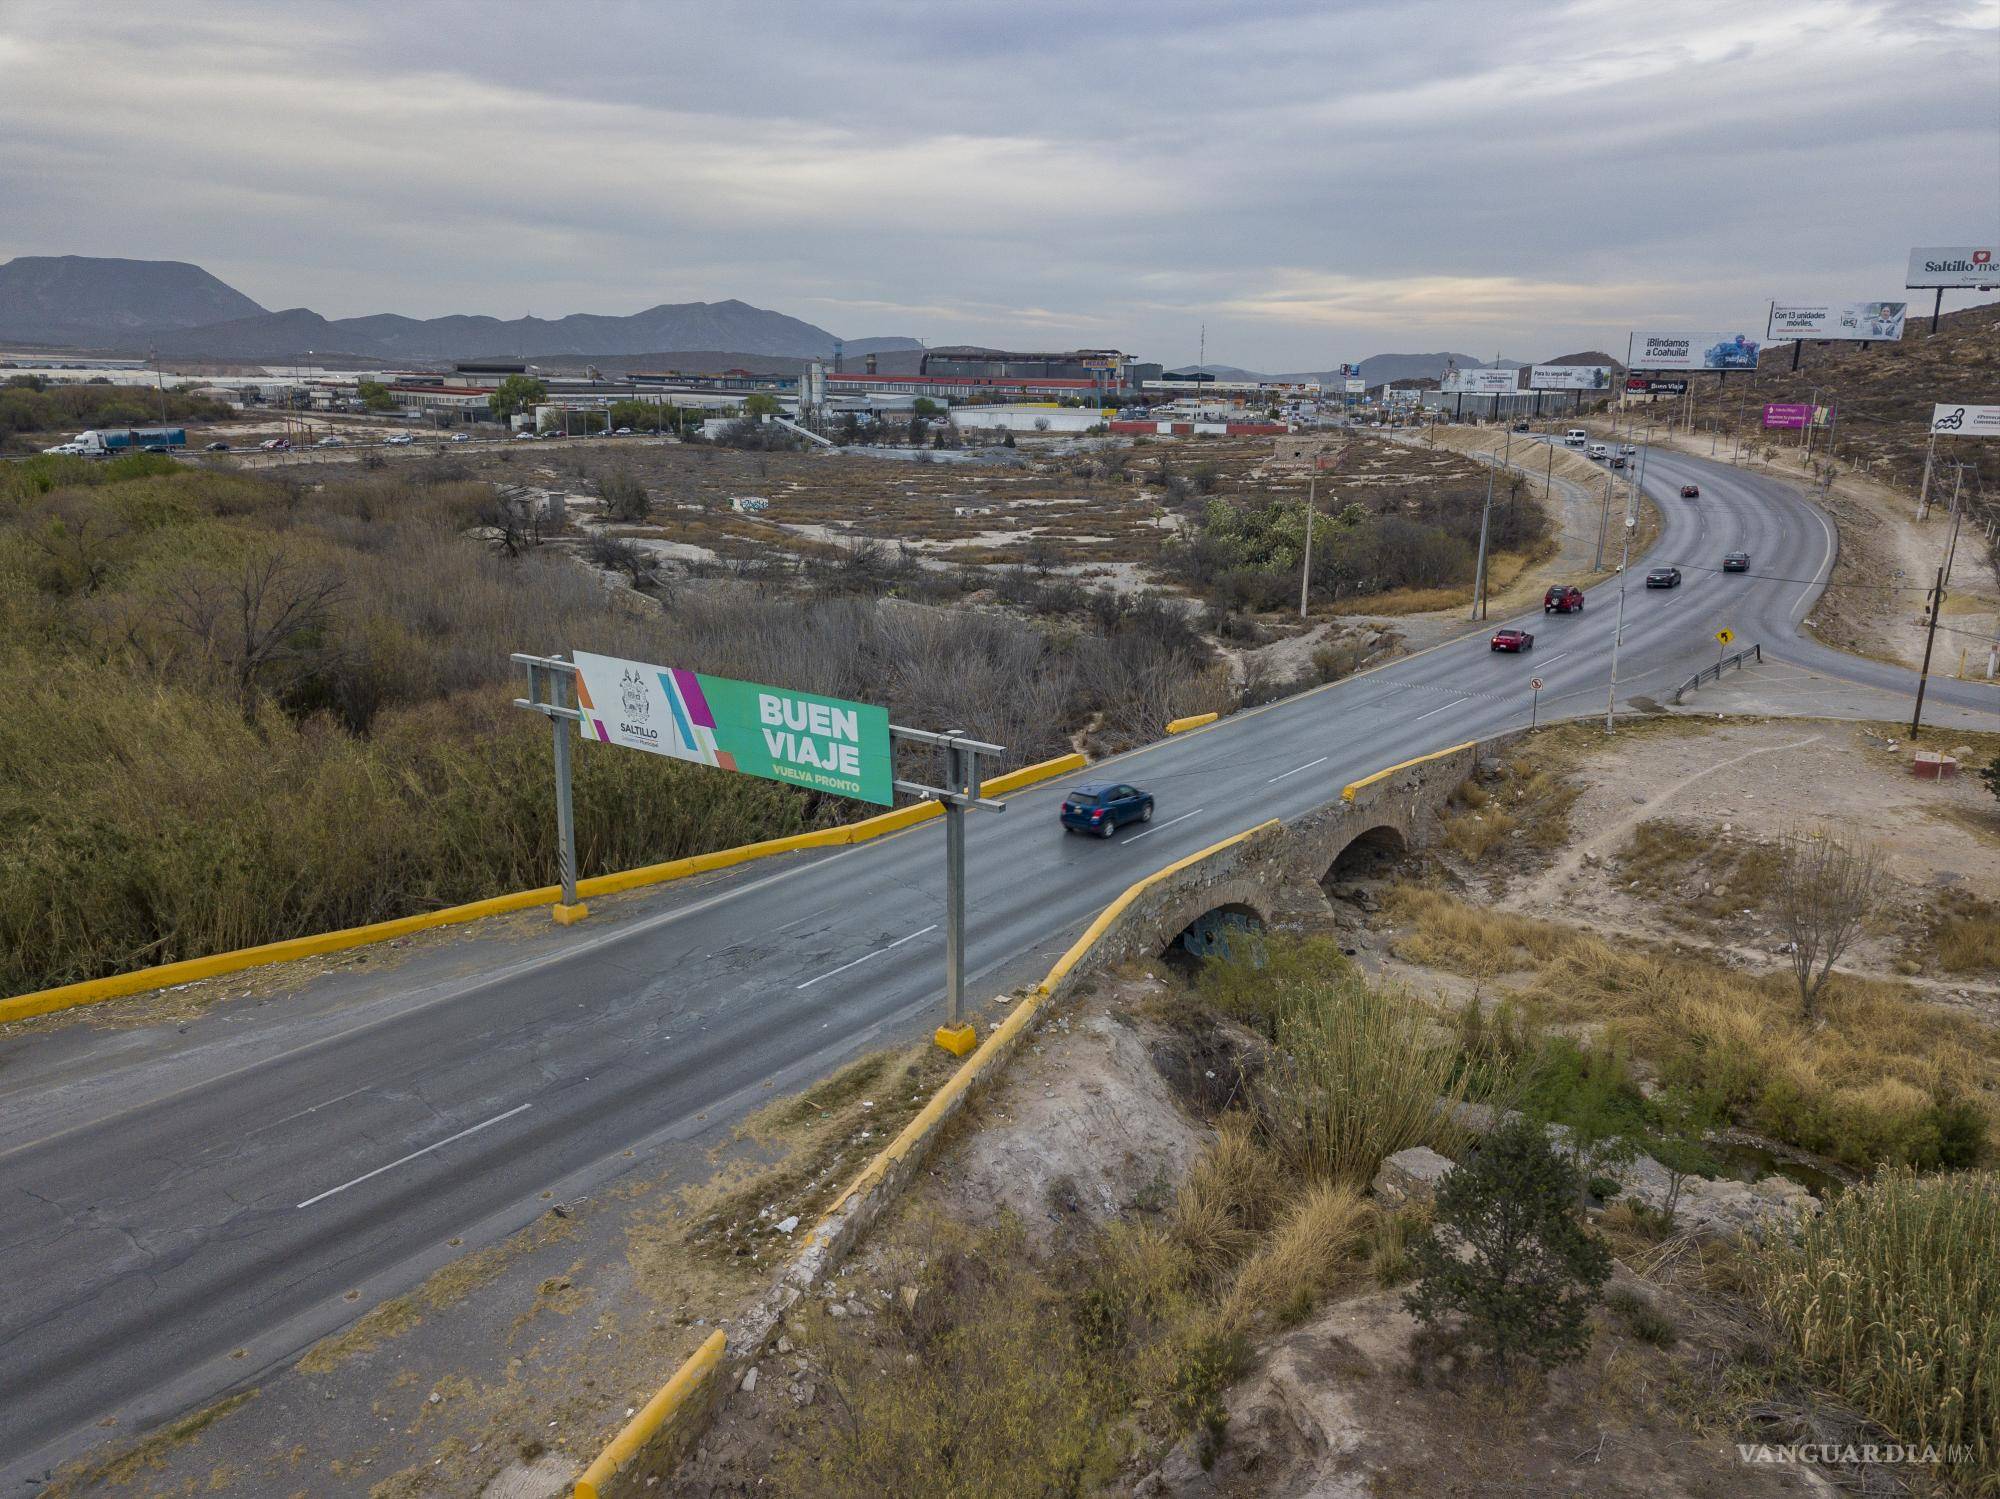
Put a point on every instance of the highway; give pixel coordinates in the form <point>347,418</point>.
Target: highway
<point>171,1195</point>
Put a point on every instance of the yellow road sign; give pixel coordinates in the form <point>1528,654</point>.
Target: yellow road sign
<point>1725,636</point>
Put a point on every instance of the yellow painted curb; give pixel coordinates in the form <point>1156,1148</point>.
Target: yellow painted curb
<point>1347,792</point>
<point>1195,721</point>
<point>569,915</point>
<point>166,975</point>
<point>658,1411</point>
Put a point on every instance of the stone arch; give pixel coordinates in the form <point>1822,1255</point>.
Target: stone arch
<point>1370,854</point>
<point>1213,931</point>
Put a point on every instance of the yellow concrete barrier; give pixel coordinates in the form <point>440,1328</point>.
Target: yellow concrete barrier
<point>1347,792</point>
<point>673,1397</point>
<point>1182,725</point>
<point>166,975</point>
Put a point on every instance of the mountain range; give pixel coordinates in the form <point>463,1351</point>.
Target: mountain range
<point>129,306</point>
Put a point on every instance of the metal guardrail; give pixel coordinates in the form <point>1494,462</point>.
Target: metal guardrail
<point>1714,673</point>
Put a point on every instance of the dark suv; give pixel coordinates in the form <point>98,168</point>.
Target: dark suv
<point>1101,807</point>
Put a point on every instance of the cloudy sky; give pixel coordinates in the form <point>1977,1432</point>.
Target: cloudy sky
<point>1314,183</point>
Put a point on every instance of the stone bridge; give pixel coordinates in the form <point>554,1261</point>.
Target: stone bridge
<point>1282,873</point>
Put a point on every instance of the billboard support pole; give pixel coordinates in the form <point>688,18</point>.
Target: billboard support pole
<point>546,695</point>
<point>1924,489</point>
<point>1936,308</point>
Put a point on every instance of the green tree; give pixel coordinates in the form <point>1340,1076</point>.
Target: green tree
<point>375,396</point>
<point>1509,1252</point>
<point>1681,1118</point>
<point>1991,776</point>
<point>925,407</point>
<point>761,405</point>
<point>516,393</point>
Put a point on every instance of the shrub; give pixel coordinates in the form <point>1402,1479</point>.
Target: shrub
<point>1510,1254</point>
<point>1312,1250</point>
<point>1641,1317</point>
<point>1892,1297</point>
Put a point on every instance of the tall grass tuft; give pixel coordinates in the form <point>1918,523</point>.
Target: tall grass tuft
<point>1363,1068</point>
<point>1892,1297</point>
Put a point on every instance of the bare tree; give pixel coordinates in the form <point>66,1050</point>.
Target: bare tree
<point>264,627</point>
<point>1825,890</point>
<point>625,498</point>
<point>80,545</point>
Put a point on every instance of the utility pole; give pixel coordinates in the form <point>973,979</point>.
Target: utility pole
<point>1924,489</point>
<point>1485,520</point>
<point>1951,547</point>
<point>1624,561</point>
<point>1306,572</point>
<point>1603,525</point>
<point>1930,640</point>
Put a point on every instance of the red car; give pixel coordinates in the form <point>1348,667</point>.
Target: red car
<point>1563,598</point>
<point>1690,491</point>
<point>1513,640</point>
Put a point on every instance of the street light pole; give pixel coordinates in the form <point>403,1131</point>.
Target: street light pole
<point>1305,572</point>
<point>1618,635</point>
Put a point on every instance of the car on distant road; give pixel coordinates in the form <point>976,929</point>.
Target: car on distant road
<point>1664,577</point>
<point>1102,807</point>
<point>1563,598</point>
<point>622,432</point>
<point>1599,452</point>
<point>1736,562</point>
<point>1576,437</point>
<point>1628,450</point>
<point>1617,460</point>
<point>399,439</point>
<point>1513,640</point>
<point>330,441</point>
<point>216,447</point>
<point>276,444</point>
<point>1690,491</point>
<point>460,437</point>
<point>1520,426</point>
<point>524,437</point>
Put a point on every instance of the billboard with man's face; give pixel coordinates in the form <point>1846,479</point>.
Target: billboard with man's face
<point>1868,321</point>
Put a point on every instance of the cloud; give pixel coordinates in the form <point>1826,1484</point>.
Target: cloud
<point>1311,184</point>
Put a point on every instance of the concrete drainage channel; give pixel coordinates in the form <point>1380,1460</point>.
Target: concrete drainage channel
<point>1223,889</point>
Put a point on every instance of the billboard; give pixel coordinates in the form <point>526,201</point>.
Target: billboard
<point>1795,414</point>
<point>1954,265</point>
<point>1965,421</point>
<point>1356,387</point>
<point>1643,385</point>
<point>1569,377</point>
<point>1872,321</point>
<point>1481,383</point>
<point>820,743</point>
<point>1692,351</point>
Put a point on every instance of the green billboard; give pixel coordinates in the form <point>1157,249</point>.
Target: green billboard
<point>822,743</point>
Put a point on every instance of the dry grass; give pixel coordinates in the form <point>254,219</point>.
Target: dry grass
<point>1525,805</point>
<point>1695,875</point>
<point>1892,1297</point>
<point>1965,935</point>
<point>1310,1254</point>
<point>1883,1078</point>
<point>1227,1199</point>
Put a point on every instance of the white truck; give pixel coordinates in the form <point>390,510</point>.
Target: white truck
<point>1576,437</point>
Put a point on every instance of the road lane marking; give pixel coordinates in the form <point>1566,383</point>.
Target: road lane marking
<point>1556,657</point>
<point>1167,824</point>
<point>371,1175</point>
<point>867,955</point>
<point>1435,711</point>
<point>1307,766</point>
<point>313,1110</point>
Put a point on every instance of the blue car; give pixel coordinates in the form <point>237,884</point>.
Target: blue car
<point>1102,807</point>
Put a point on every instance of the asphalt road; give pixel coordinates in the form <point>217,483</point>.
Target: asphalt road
<point>169,1196</point>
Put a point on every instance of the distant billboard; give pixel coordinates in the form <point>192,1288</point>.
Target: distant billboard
<point>822,743</point>
<point>1954,420</point>
<point>1795,414</point>
<point>1954,265</point>
<point>1871,321</point>
<point>1570,377</point>
<point>1645,385</point>
<point>1482,383</point>
<point>1357,387</point>
<point>1692,351</point>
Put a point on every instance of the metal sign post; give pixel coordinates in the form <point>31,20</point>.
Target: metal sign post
<point>1535,702</point>
<point>552,692</point>
<point>959,761</point>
